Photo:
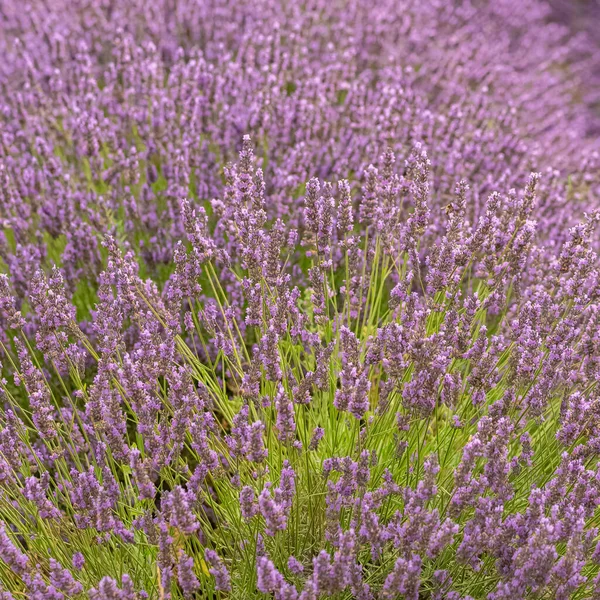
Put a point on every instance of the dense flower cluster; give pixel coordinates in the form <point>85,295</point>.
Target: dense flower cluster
<point>298,300</point>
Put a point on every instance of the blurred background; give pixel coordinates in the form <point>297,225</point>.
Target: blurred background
<point>583,16</point>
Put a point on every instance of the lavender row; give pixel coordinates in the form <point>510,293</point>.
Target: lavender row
<point>300,301</point>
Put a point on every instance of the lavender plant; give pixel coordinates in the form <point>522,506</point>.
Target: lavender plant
<point>298,301</point>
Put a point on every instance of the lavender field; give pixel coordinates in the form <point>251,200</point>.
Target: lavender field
<point>299,300</point>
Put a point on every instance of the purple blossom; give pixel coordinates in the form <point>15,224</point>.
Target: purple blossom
<point>177,510</point>
<point>317,436</point>
<point>108,589</point>
<point>218,570</point>
<point>404,579</point>
<point>275,507</point>
<point>78,561</point>
<point>62,579</point>
<point>36,490</point>
<point>285,423</point>
<point>185,575</point>
<point>10,554</point>
<point>294,565</point>
<point>248,503</point>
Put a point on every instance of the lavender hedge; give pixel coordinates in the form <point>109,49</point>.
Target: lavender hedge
<point>298,300</point>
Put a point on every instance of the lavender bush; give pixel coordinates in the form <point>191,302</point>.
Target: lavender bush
<point>298,301</point>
